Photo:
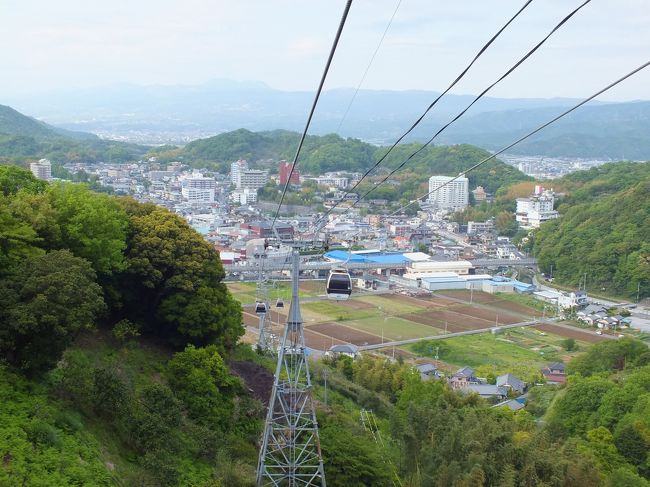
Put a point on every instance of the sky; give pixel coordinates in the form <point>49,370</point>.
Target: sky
<point>68,44</point>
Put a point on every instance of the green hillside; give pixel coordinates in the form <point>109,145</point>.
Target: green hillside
<point>23,138</point>
<point>333,153</point>
<point>603,231</point>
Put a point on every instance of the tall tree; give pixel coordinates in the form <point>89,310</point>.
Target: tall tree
<point>44,305</point>
<point>174,277</point>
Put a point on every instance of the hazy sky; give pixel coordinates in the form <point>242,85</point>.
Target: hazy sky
<point>79,43</point>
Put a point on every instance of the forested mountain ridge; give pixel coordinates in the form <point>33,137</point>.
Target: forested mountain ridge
<point>23,138</point>
<point>333,153</point>
<point>603,231</point>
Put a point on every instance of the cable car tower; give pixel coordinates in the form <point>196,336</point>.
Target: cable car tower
<point>263,312</point>
<point>290,454</point>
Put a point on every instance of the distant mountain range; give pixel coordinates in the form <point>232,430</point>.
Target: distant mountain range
<point>157,114</point>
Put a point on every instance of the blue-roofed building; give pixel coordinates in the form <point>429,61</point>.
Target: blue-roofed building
<point>372,256</point>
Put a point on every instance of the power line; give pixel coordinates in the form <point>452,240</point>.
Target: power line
<point>521,139</point>
<point>346,10</point>
<point>365,73</point>
<point>433,103</point>
<point>477,98</point>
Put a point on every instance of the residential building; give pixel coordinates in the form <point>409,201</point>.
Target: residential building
<point>512,404</point>
<point>340,182</point>
<point>244,196</point>
<point>448,194</point>
<point>428,371</point>
<point>287,175</point>
<point>251,179</point>
<point>479,194</point>
<point>263,229</point>
<point>345,349</point>
<point>511,382</point>
<point>486,391</point>
<point>480,227</point>
<point>42,169</point>
<point>536,209</point>
<point>195,188</point>
<point>462,378</point>
<point>235,168</point>
<point>554,373</point>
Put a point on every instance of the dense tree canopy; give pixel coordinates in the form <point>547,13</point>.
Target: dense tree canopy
<point>173,281</point>
<point>602,235</point>
<point>44,304</point>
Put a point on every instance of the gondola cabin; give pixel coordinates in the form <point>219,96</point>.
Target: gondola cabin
<point>260,308</point>
<point>279,303</point>
<point>339,285</point>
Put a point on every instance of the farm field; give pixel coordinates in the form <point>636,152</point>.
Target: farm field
<point>244,292</point>
<point>521,351</point>
<point>369,319</point>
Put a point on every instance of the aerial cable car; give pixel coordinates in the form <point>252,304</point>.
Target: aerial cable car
<point>339,283</point>
<point>260,307</point>
<point>279,303</point>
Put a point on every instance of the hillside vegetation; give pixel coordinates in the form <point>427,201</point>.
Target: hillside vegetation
<point>333,153</point>
<point>603,231</point>
<point>23,138</point>
<point>120,365</point>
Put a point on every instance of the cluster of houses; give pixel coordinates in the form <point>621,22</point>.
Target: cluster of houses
<point>505,386</point>
<point>597,315</point>
<point>465,380</point>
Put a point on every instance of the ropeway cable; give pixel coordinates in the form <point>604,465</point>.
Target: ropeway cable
<point>433,103</point>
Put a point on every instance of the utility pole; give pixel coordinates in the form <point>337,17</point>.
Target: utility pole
<point>290,454</point>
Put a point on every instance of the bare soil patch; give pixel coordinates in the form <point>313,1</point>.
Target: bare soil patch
<point>412,300</point>
<point>346,334</point>
<point>487,314</point>
<point>515,308</point>
<point>250,319</point>
<point>584,336</point>
<point>313,286</point>
<point>464,294</point>
<point>258,379</point>
<point>319,342</point>
<point>454,322</point>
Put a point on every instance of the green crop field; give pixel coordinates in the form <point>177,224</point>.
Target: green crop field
<point>390,306</point>
<point>521,351</point>
<point>338,312</point>
<point>394,328</point>
<point>245,292</point>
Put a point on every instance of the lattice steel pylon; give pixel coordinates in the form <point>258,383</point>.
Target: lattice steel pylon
<point>265,339</point>
<point>290,454</point>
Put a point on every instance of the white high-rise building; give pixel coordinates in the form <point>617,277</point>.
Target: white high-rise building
<point>251,179</point>
<point>235,168</point>
<point>198,189</point>
<point>448,195</point>
<point>42,169</point>
<point>536,209</point>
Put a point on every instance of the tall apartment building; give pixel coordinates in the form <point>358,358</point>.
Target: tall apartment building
<point>537,208</point>
<point>196,188</point>
<point>235,168</point>
<point>448,195</point>
<point>285,171</point>
<point>251,179</point>
<point>42,169</point>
